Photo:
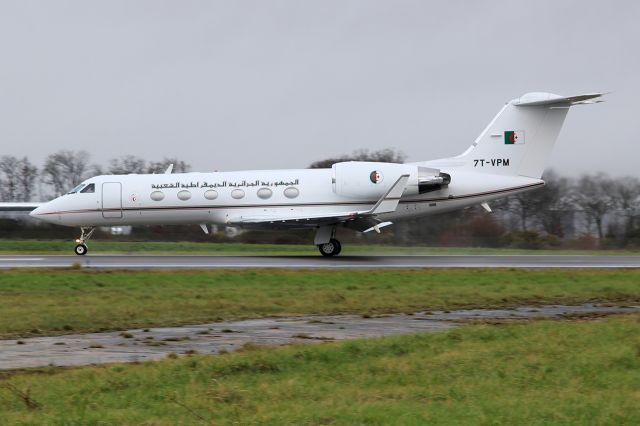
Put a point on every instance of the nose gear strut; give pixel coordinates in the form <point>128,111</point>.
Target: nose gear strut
<point>85,233</point>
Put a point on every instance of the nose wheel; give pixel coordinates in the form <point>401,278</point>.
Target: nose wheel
<point>332,248</point>
<point>85,233</point>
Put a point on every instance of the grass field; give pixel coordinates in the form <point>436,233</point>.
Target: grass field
<point>229,249</point>
<point>539,372</point>
<point>584,373</point>
<point>49,302</point>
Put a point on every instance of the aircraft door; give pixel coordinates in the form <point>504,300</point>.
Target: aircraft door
<point>112,200</point>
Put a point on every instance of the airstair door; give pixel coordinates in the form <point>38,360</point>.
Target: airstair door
<point>112,200</point>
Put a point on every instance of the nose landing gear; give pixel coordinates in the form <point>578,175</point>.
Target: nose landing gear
<point>332,248</point>
<point>85,233</point>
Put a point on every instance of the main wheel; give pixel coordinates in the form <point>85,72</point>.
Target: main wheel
<point>331,248</point>
<point>338,247</point>
<point>81,249</point>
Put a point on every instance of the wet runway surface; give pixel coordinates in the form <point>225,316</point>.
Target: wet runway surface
<point>155,343</point>
<point>340,262</point>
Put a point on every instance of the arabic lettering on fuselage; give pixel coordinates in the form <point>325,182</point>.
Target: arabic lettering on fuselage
<point>224,184</point>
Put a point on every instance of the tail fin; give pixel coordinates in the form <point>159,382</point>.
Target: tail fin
<point>519,140</point>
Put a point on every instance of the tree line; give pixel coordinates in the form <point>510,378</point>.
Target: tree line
<point>590,211</point>
<point>20,179</point>
<point>587,211</point>
<point>593,209</point>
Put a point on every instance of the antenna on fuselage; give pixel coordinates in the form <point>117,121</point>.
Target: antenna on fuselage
<point>169,169</point>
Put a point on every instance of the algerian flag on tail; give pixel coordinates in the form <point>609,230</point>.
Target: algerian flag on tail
<point>513,137</point>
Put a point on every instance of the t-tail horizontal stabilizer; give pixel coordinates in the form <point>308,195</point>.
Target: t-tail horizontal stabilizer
<point>535,99</point>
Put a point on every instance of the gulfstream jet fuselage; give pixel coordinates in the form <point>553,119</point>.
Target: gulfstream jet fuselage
<point>508,157</point>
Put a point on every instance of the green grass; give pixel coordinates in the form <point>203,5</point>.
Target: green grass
<point>48,302</point>
<point>585,373</point>
<point>230,249</point>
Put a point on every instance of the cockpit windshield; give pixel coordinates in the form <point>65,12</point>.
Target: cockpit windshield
<point>77,188</point>
<point>89,189</point>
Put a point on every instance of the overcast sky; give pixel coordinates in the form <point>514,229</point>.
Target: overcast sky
<point>278,84</point>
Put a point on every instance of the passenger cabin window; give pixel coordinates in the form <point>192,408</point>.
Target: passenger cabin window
<point>89,189</point>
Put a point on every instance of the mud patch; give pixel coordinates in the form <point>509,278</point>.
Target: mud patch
<point>155,343</point>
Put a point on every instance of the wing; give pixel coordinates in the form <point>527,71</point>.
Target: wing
<point>358,218</point>
<point>19,207</point>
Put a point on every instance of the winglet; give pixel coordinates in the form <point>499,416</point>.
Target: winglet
<point>389,201</point>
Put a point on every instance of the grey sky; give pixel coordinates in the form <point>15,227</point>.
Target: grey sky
<point>269,84</point>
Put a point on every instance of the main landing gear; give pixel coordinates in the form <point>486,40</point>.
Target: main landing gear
<point>332,248</point>
<point>85,233</point>
<point>326,242</point>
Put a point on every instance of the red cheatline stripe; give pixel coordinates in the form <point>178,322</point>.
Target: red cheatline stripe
<point>244,206</point>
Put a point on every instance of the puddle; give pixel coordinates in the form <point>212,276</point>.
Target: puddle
<point>155,343</point>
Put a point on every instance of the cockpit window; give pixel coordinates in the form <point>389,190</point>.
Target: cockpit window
<point>76,189</point>
<point>89,189</point>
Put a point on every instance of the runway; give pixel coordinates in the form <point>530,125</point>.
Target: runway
<point>318,262</point>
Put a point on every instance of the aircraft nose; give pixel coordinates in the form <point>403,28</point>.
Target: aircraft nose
<point>41,212</point>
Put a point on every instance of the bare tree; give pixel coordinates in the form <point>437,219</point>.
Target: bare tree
<point>8,178</point>
<point>65,169</point>
<point>523,205</point>
<point>17,177</point>
<point>594,195</point>
<point>627,194</point>
<point>27,174</point>
<point>127,164</point>
<point>384,156</point>
<point>526,206</point>
<point>554,202</point>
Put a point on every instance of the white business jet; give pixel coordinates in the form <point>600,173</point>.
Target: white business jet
<point>508,157</point>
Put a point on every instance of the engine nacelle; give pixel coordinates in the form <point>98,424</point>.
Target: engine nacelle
<point>371,180</point>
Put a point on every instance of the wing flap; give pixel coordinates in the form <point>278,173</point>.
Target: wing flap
<point>312,219</point>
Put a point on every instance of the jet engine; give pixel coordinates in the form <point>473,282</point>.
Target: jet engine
<point>371,180</point>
